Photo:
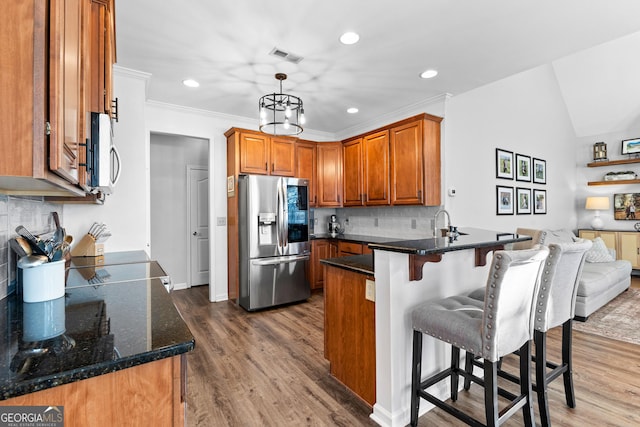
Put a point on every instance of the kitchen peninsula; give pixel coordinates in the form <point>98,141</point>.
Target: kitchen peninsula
<point>109,353</point>
<point>406,274</point>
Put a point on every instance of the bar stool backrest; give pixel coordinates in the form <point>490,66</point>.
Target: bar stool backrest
<point>510,293</point>
<point>556,301</point>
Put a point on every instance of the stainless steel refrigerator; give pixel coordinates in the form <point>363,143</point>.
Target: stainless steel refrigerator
<point>273,240</point>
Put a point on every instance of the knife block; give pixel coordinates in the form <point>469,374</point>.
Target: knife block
<point>87,246</point>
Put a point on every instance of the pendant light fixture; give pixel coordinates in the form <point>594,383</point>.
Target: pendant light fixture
<point>280,113</point>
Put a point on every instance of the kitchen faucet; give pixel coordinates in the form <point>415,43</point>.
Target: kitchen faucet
<point>435,222</point>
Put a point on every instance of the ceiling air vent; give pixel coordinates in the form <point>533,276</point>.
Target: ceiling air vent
<point>287,56</point>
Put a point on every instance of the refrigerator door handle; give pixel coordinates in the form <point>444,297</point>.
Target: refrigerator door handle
<point>285,214</point>
<point>280,260</point>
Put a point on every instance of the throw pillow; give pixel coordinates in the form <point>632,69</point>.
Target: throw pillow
<point>598,252</point>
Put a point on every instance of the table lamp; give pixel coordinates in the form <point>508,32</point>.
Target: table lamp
<point>597,204</point>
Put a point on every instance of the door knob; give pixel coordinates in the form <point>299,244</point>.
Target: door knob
<point>195,233</point>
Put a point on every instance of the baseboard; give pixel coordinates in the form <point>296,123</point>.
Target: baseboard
<point>180,286</point>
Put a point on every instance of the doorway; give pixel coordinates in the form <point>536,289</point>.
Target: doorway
<point>171,157</point>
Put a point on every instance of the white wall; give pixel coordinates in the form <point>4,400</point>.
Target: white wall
<point>170,155</point>
<point>586,174</point>
<point>126,211</point>
<point>524,113</point>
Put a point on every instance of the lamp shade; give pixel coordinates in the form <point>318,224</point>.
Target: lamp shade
<point>597,203</point>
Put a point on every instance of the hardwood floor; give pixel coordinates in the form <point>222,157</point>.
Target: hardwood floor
<point>268,369</point>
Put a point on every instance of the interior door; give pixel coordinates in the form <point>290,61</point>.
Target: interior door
<point>198,206</point>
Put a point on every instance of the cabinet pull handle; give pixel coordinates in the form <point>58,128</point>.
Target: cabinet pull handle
<point>266,166</point>
<point>420,195</point>
<point>273,167</point>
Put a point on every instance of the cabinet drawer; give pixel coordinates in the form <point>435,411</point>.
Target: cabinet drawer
<point>349,248</point>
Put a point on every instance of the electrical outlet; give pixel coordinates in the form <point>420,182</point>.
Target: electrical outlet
<point>370,291</point>
<point>375,222</point>
<point>221,220</point>
<point>414,223</point>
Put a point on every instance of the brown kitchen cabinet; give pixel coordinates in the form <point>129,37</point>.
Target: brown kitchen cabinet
<point>352,172</point>
<point>305,159</point>
<point>375,169</point>
<point>329,184</point>
<point>263,154</point>
<point>366,170</point>
<point>45,97</point>
<point>415,161</point>
<point>148,394</point>
<point>102,54</point>
<point>320,249</point>
<point>349,331</point>
<point>352,248</point>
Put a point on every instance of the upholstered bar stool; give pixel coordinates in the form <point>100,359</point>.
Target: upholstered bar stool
<point>555,306</point>
<point>500,325</point>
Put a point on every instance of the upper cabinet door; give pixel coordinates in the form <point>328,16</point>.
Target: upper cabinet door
<point>352,173</point>
<point>254,153</point>
<point>306,167</point>
<point>376,168</point>
<point>283,156</point>
<point>329,186</point>
<point>407,166</point>
<point>102,55</point>
<point>66,88</point>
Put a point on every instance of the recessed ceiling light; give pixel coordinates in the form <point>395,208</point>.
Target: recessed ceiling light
<point>352,110</point>
<point>349,38</point>
<point>429,74</point>
<point>190,83</point>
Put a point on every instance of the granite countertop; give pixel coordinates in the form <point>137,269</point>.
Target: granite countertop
<point>469,238</point>
<point>358,263</point>
<point>92,330</point>
<point>354,238</point>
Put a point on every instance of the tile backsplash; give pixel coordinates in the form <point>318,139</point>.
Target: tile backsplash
<point>403,222</point>
<point>32,212</point>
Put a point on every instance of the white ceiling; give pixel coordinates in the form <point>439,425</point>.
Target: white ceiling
<point>225,45</point>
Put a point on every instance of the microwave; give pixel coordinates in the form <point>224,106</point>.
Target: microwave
<point>103,159</point>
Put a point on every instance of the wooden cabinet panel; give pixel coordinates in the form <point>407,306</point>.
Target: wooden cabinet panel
<point>320,249</point>
<point>329,185</point>
<point>101,40</point>
<point>610,239</point>
<point>66,106</point>
<point>629,247</point>
<point>282,156</point>
<point>254,153</point>
<point>349,248</point>
<point>349,325</point>
<point>352,173</point>
<point>407,166</point>
<point>306,167</point>
<point>375,170</point>
<point>41,82</point>
<point>148,394</point>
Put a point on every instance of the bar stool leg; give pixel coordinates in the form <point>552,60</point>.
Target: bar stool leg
<point>540,339</point>
<point>491,393</point>
<point>566,361</point>
<point>416,369</point>
<point>468,368</point>
<point>525,383</point>
<point>455,365</point>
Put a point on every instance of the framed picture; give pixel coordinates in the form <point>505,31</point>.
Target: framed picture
<point>539,201</point>
<point>539,171</point>
<point>523,168</point>
<point>504,164</point>
<point>631,146</point>
<point>626,206</point>
<point>523,201</point>
<point>504,200</point>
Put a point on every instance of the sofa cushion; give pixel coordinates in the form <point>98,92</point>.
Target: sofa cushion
<point>599,252</point>
<point>597,277</point>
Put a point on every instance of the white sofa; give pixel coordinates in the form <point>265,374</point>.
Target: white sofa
<point>600,281</point>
